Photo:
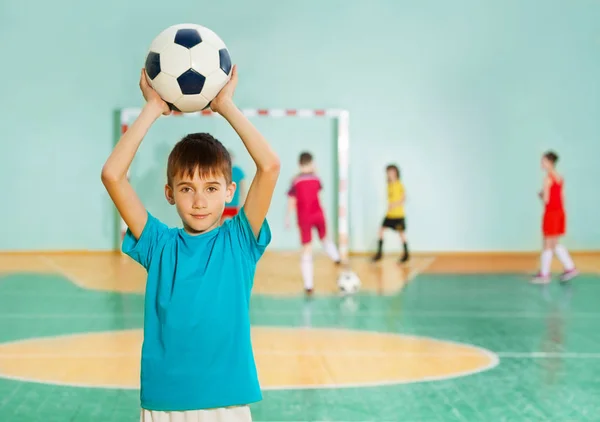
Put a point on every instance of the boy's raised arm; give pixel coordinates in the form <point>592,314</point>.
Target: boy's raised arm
<point>260,193</point>
<point>114,171</point>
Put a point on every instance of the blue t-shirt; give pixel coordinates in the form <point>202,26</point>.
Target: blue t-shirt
<point>197,352</point>
<point>237,175</point>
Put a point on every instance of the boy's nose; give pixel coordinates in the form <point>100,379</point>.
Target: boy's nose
<point>200,201</point>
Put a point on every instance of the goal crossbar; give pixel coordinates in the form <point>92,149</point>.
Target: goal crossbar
<point>342,119</point>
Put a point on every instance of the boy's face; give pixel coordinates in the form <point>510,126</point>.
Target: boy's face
<point>199,202</point>
<point>307,167</point>
<point>546,164</point>
<point>391,175</point>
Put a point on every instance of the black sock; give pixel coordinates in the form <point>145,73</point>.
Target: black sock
<point>406,249</point>
<point>380,247</point>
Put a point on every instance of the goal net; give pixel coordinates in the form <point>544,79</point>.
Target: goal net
<point>324,133</point>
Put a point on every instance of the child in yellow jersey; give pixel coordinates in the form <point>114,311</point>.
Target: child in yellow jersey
<point>394,219</point>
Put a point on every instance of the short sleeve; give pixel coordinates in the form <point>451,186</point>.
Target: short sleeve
<point>141,250</point>
<point>254,245</point>
<point>292,190</point>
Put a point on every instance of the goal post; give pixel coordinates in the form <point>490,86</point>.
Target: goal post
<point>342,121</point>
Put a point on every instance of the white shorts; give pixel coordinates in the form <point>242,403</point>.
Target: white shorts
<point>223,414</point>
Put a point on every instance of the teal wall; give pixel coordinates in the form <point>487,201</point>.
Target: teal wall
<point>463,95</point>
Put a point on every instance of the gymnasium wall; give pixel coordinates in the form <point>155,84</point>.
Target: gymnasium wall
<point>463,95</point>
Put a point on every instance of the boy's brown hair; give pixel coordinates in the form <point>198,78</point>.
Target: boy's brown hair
<point>551,156</point>
<point>202,153</point>
<point>305,158</point>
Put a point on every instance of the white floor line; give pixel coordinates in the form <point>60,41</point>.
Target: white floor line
<point>291,312</point>
<point>62,271</point>
<point>329,353</point>
<point>424,265</point>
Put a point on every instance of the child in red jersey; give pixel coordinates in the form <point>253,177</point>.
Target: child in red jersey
<point>303,196</point>
<point>554,223</point>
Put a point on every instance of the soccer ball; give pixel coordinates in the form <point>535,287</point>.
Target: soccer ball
<point>348,282</point>
<point>187,65</point>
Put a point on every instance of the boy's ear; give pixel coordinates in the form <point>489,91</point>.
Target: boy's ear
<point>230,192</point>
<point>169,195</point>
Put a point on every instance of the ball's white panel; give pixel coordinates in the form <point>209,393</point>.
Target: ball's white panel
<point>174,60</point>
<point>204,58</point>
<point>214,83</point>
<point>165,38</point>
<point>191,103</point>
<point>211,38</point>
<point>167,87</point>
<point>349,282</point>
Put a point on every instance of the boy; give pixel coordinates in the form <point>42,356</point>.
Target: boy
<point>394,219</point>
<point>553,223</point>
<point>303,196</point>
<point>238,177</point>
<point>197,361</point>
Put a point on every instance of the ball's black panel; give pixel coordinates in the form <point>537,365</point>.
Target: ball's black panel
<point>191,82</point>
<point>172,107</point>
<point>187,37</point>
<point>153,65</point>
<point>225,60</point>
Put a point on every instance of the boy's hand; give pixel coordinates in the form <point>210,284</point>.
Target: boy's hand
<point>225,96</point>
<point>151,96</point>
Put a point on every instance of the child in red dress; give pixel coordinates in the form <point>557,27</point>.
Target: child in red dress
<point>554,223</point>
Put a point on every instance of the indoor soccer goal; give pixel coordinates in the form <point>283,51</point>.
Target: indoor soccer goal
<point>332,156</point>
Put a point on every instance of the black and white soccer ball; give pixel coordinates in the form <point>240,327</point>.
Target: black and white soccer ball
<point>348,282</point>
<point>187,65</point>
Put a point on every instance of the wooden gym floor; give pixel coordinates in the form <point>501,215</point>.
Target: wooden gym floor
<point>443,338</point>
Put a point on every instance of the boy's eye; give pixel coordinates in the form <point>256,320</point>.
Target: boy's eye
<point>185,190</point>
<point>212,189</point>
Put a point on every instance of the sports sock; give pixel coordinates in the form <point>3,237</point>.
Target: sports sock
<point>546,261</point>
<point>306,265</point>
<point>564,257</point>
<point>331,250</point>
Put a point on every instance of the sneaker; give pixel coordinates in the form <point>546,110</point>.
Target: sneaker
<point>377,257</point>
<point>403,259</point>
<point>539,278</point>
<point>569,275</point>
<point>308,292</point>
